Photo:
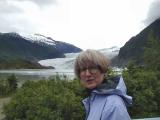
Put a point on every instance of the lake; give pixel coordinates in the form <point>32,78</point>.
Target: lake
<point>63,67</point>
<point>36,74</point>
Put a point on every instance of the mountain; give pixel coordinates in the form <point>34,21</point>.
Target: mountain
<point>133,50</point>
<point>14,46</point>
<point>48,41</point>
<point>110,52</point>
<point>67,63</point>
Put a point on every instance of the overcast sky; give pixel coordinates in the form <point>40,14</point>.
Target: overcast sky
<point>87,24</point>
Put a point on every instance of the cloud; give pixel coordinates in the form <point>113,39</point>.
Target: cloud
<point>18,16</point>
<point>18,24</point>
<point>8,8</point>
<point>153,13</point>
<point>78,21</point>
<point>8,12</point>
<point>41,2</point>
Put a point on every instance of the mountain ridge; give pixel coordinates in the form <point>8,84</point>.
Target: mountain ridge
<point>133,50</point>
<point>14,46</point>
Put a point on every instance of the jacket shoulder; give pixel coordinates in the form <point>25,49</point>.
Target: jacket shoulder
<point>114,101</point>
<point>115,109</point>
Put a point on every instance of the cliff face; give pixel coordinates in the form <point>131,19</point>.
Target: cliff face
<point>133,50</point>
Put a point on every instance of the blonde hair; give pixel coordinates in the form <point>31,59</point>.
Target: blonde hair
<point>93,57</point>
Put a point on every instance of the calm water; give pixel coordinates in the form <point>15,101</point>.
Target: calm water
<point>36,74</point>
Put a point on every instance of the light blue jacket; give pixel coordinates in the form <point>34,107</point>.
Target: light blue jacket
<point>108,101</point>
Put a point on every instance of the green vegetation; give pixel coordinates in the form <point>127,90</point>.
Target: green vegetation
<point>60,99</point>
<point>143,81</point>
<point>152,52</point>
<point>17,52</point>
<point>12,46</point>
<point>133,49</point>
<point>143,86</point>
<point>8,86</point>
<point>54,99</point>
<point>17,63</point>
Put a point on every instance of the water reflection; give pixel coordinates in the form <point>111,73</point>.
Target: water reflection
<point>36,74</point>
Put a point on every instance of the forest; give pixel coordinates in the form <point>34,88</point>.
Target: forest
<point>60,98</point>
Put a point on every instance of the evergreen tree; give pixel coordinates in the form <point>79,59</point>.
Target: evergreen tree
<point>54,99</point>
<point>152,52</point>
<point>12,82</point>
<point>143,81</point>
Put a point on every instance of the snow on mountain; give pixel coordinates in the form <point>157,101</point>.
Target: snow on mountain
<point>71,55</point>
<point>38,38</point>
<point>61,63</point>
<point>68,61</point>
